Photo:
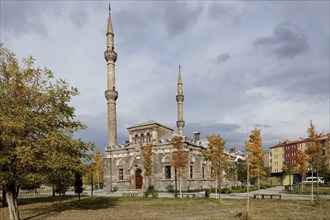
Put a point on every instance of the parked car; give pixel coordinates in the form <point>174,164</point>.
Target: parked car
<point>310,180</point>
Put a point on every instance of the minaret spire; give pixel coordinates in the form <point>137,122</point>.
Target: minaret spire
<point>179,98</point>
<point>110,35</point>
<point>111,94</point>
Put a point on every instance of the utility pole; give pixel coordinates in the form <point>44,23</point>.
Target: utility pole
<point>247,187</point>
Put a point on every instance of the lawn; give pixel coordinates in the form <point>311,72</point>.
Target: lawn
<point>323,189</point>
<point>164,208</point>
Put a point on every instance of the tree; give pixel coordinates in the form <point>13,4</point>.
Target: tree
<point>241,170</point>
<point>256,156</point>
<point>98,168</point>
<point>36,126</point>
<point>314,152</point>
<point>147,161</point>
<point>179,159</point>
<point>78,184</point>
<point>302,166</point>
<point>231,173</point>
<point>287,169</point>
<point>215,153</point>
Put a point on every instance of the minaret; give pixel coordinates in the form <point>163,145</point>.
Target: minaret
<point>111,94</point>
<point>179,98</point>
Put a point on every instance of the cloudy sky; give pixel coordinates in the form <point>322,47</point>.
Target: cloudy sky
<point>245,65</point>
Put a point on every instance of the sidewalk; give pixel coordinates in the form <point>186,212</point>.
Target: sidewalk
<point>273,190</point>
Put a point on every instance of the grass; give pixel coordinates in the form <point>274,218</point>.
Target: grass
<point>164,208</point>
<point>324,190</point>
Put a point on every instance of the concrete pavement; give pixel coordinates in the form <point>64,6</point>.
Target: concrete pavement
<point>273,190</point>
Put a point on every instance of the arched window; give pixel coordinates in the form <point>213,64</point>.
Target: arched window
<point>142,139</point>
<point>148,138</point>
<point>136,139</point>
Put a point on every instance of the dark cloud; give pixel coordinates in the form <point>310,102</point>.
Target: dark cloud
<point>96,130</point>
<point>20,18</point>
<point>287,40</point>
<point>231,13</point>
<point>78,17</point>
<point>180,16</point>
<point>222,57</point>
<point>229,132</point>
<point>302,82</point>
<point>262,126</point>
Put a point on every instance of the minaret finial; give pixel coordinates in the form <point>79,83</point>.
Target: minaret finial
<point>109,8</point>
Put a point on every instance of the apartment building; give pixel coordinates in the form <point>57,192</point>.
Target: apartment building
<point>285,153</point>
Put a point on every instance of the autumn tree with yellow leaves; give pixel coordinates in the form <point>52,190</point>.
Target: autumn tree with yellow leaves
<point>315,151</point>
<point>98,168</point>
<point>256,156</point>
<point>302,166</point>
<point>215,153</point>
<point>147,161</point>
<point>179,159</point>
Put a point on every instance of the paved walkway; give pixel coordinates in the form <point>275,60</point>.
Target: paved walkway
<point>273,190</point>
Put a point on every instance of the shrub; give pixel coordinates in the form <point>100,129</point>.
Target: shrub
<point>150,191</point>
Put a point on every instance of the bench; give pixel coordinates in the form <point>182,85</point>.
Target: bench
<point>188,195</point>
<point>130,195</point>
<point>264,195</point>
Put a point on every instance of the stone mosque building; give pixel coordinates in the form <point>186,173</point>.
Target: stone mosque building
<point>123,168</point>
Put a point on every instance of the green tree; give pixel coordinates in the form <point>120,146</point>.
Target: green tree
<point>231,173</point>
<point>179,159</point>
<point>215,153</point>
<point>36,126</point>
<point>241,170</point>
<point>314,152</point>
<point>147,161</point>
<point>256,156</point>
<point>78,184</point>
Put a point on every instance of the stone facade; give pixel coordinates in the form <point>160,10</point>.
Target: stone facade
<point>124,168</point>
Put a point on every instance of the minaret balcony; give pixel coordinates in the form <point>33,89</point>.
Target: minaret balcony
<point>111,94</point>
<point>180,124</point>
<point>179,98</point>
<point>110,55</point>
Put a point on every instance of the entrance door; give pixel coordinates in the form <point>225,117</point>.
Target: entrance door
<point>138,179</point>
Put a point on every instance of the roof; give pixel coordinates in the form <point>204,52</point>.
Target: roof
<point>151,122</point>
<point>300,140</point>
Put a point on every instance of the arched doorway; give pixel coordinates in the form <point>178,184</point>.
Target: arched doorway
<point>138,179</point>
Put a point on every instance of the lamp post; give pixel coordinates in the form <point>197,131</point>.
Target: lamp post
<point>289,176</point>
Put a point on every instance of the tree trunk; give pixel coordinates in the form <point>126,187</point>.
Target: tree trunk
<point>220,183</point>
<point>92,188</point>
<point>216,187</point>
<point>312,186</point>
<point>317,183</point>
<point>180,186</point>
<point>176,183</point>
<point>98,184</point>
<point>3,197</point>
<point>259,185</point>
<point>12,202</point>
